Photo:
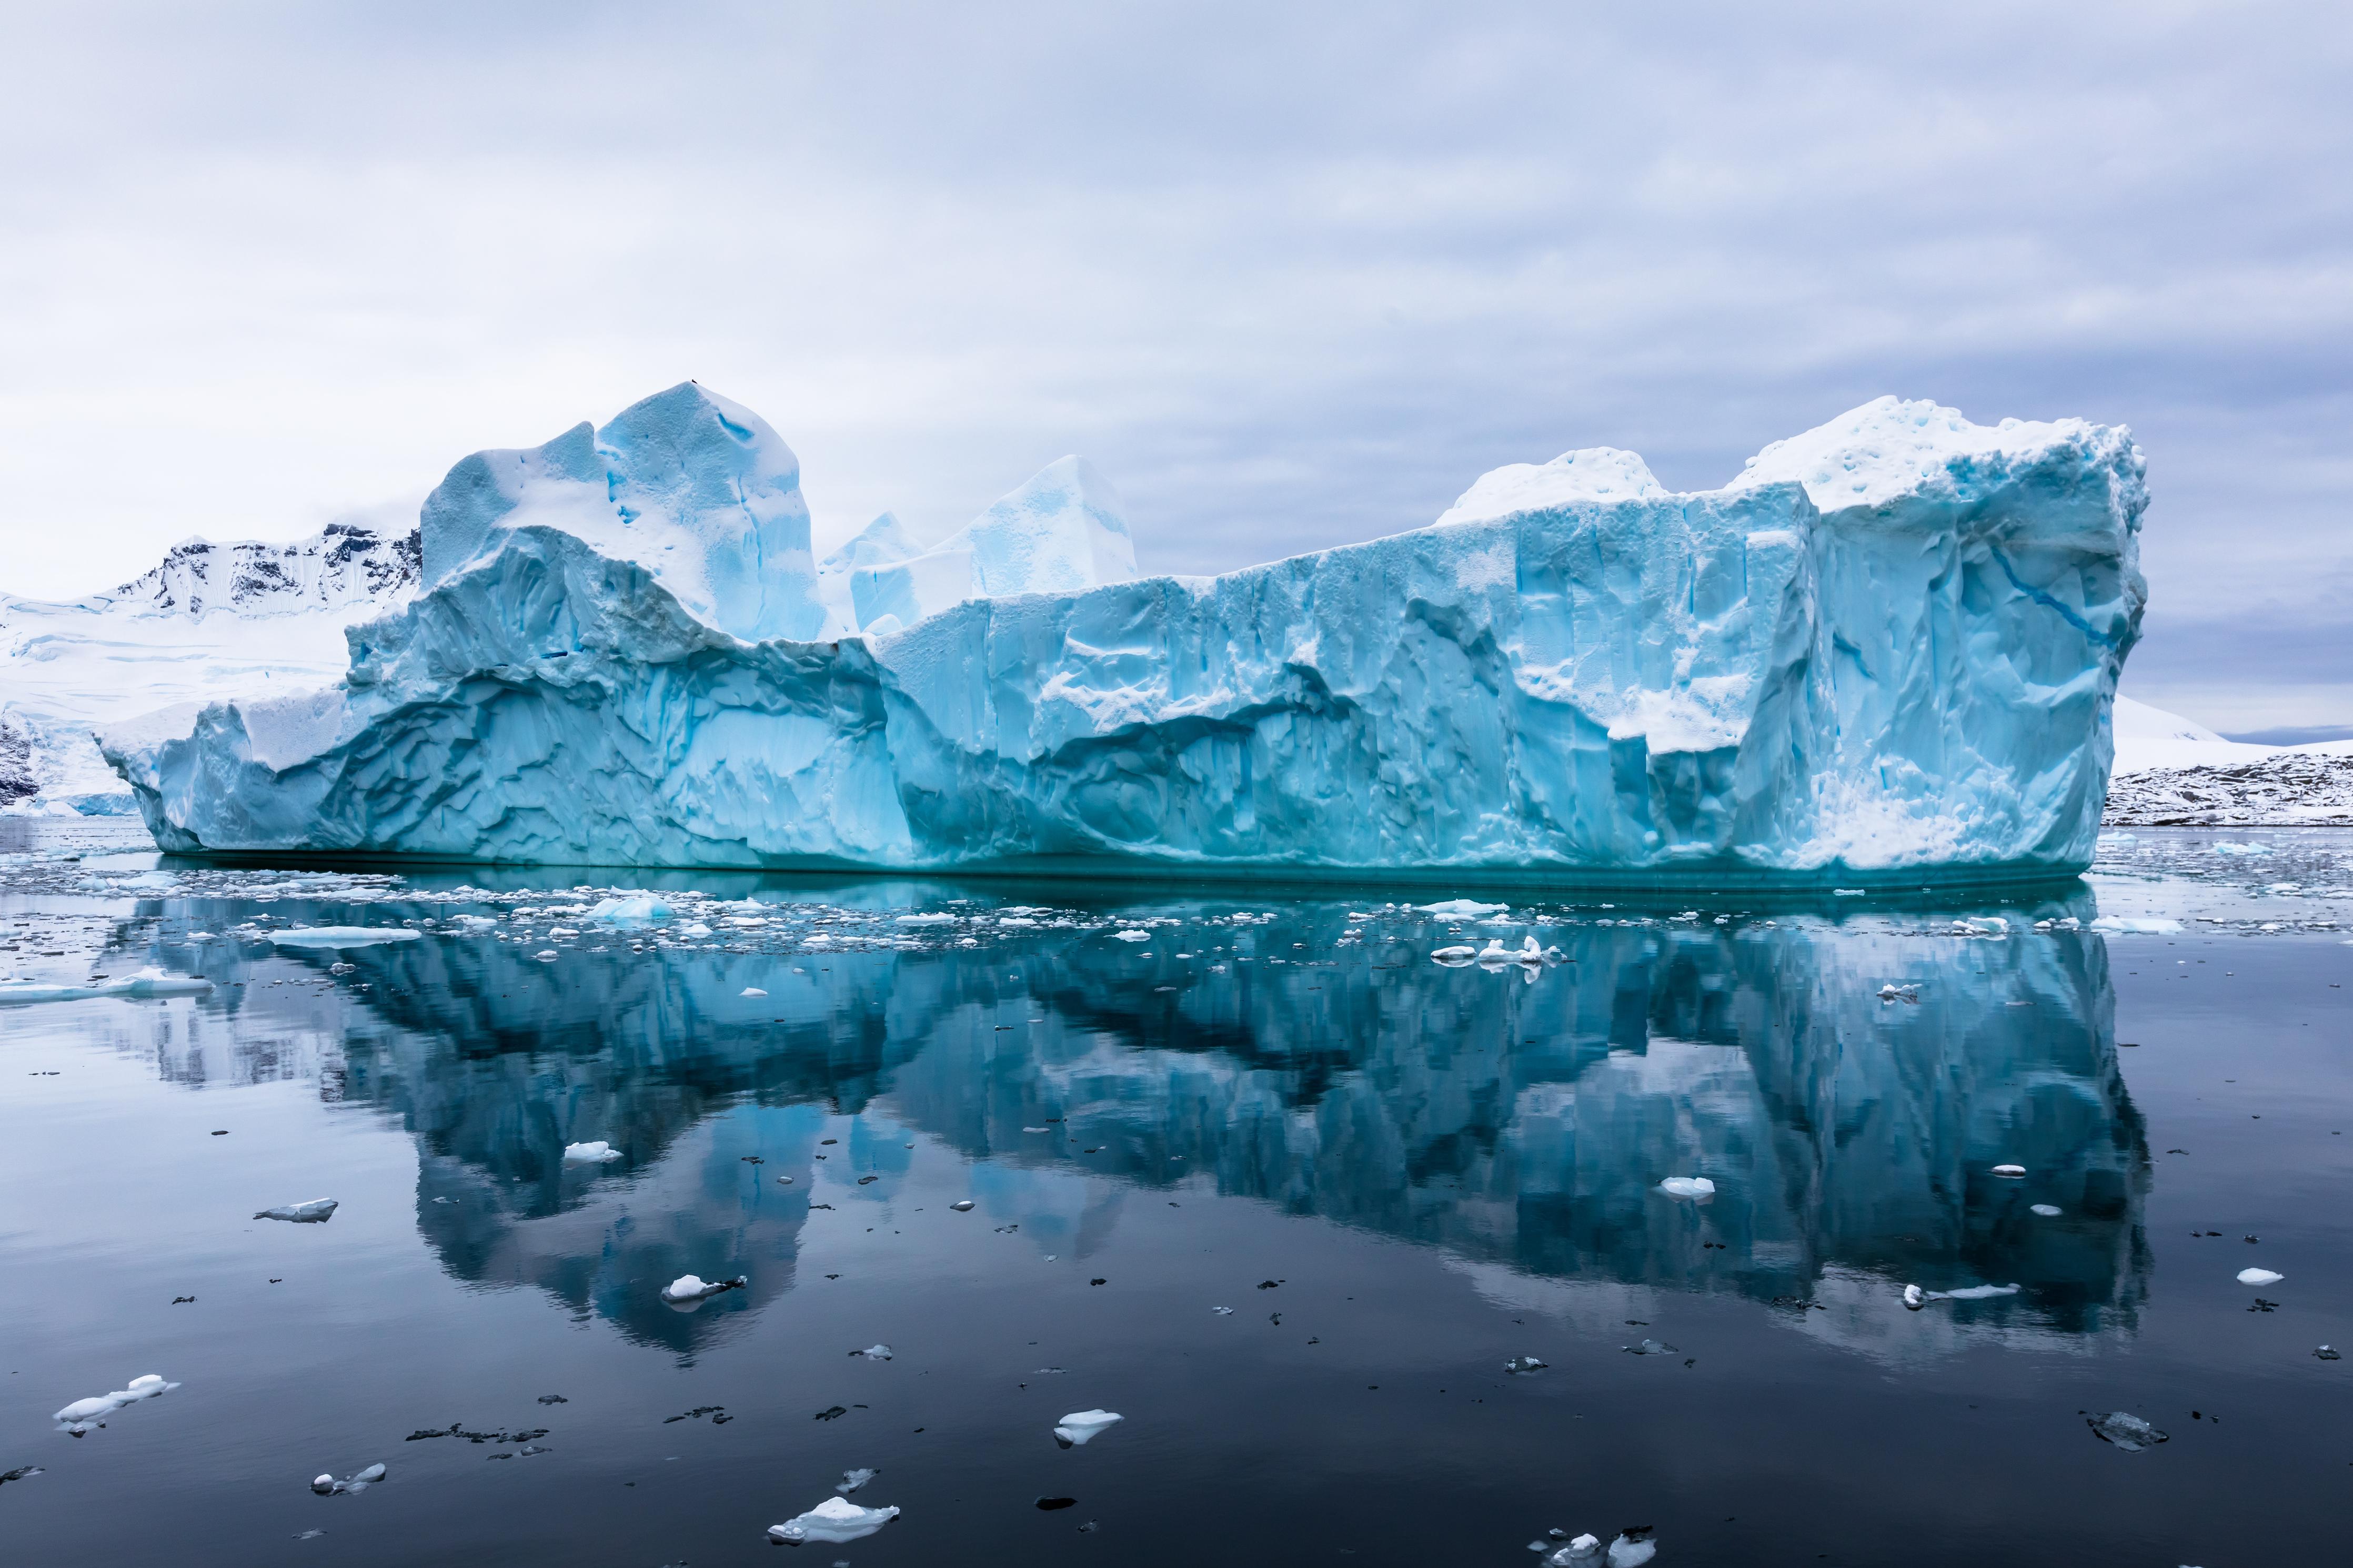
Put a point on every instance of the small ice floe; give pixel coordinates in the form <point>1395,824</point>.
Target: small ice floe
<point>1462,910</point>
<point>1523,1365</point>
<point>547,955</point>
<point>2259,1276</point>
<point>2048,1210</point>
<point>1914,1298</point>
<point>926,920</point>
<point>874,1352</point>
<point>2125,1430</point>
<point>1223,1311</point>
<point>853,1479</point>
<point>1131,936</point>
<point>327,1486</point>
<point>2012,1171</point>
<point>2242,848</point>
<point>84,1414</point>
<point>1981,925</point>
<point>2115,840</point>
<point>694,929</point>
<point>2136,925</point>
<point>962,1206</point>
<point>1083,1425</point>
<point>835,1519</point>
<point>148,981</point>
<point>1584,1549</point>
<point>630,909</point>
<point>750,991</point>
<point>1649,1347</point>
<point>1688,1187</point>
<point>343,936</point>
<point>314,1212</point>
<point>2328,1353</point>
<point>1891,991</point>
<point>596,1153</point>
<point>693,1288</point>
<point>1455,957</point>
<point>1633,1548</point>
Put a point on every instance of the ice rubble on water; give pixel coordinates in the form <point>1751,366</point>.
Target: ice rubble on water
<point>1887,648</point>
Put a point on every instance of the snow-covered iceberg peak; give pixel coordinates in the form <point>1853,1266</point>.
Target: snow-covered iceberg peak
<point>693,488</point>
<point>1590,474</point>
<point>1063,532</point>
<point>1891,449</point>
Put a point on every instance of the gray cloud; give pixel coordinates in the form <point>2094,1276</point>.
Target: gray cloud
<point>1293,275</point>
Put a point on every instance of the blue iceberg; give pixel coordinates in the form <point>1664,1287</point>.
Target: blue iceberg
<point>1885,652</point>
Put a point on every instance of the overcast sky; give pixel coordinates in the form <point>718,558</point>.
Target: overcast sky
<point>1292,275</point>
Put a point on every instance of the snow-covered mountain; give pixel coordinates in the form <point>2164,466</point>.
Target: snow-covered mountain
<point>209,621</point>
<point>2172,771</point>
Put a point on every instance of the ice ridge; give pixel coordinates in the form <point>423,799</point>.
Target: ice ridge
<point>1887,650</point>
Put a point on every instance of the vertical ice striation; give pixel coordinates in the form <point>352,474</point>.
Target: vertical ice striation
<point>1887,650</point>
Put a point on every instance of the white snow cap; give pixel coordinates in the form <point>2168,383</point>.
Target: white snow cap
<point>1588,474</point>
<point>1889,449</point>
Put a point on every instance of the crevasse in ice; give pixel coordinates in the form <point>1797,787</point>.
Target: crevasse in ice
<point>1887,649</point>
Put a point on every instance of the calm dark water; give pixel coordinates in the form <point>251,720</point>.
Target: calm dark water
<point>1440,1169</point>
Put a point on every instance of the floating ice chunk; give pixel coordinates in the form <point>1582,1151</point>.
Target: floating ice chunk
<point>1584,1549</point>
<point>693,929</point>
<point>2115,840</point>
<point>84,1414</point>
<point>343,936</point>
<point>1131,936</point>
<point>1891,991</point>
<point>853,1479</point>
<point>2138,925</point>
<point>2243,849</point>
<point>1649,1347</point>
<point>627,910</point>
<point>327,1486</point>
<point>2328,1353</point>
<point>148,981</point>
<point>1688,1187</point>
<point>547,955</point>
<point>311,1212</point>
<point>1462,910</point>
<point>2125,1430</point>
<point>1223,1311</point>
<point>1522,1365</point>
<point>693,1288</point>
<point>2012,1170</point>
<point>927,920</point>
<point>1632,1549</point>
<point>1083,1425</point>
<point>1454,957</point>
<point>750,991</point>
<point>1914,1298</point>
<point>835,1519</point>
<point>1981,925</point>
<point>596,1153</point>
<point>473,922</point>
<point>962,1206</point>
<point>2048,1210</point>
<point>874,1352</point>
<point>2259,1276</point>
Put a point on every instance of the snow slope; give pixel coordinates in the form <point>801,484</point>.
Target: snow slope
<point>2173,772</point>
<point>1887,650</point>
<point>210,621</point>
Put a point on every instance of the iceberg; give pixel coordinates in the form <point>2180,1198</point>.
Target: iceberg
<point>1886,651</point>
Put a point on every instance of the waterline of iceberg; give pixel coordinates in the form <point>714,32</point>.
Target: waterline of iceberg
<point>1885,654</point>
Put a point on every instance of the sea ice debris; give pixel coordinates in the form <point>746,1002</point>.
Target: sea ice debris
<point>1131,936</point>
<point>2136,925</point>
<point>596,1154</point>
<point>2048,1210</point>
<point>835,1519</point>
<point>312,1212</point>
<point>1584,1549</point>
<point>1462,910</point>
<point>84,1414</point>
<point>2012,1170</point>
<point>1083,1425</point>
<point>1632,1549</point>
<point>343,936</point>
<point>2259,1276</point>
<point>750,991</point>
<point>693,1288</point>
<point>630,910</point>
<point>1688,1187</point>
<point>853,1479</point>
<point>874,1352</point>
<point>2125,1430</point>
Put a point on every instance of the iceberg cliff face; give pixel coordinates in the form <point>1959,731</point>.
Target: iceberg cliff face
<point>1887,649</point>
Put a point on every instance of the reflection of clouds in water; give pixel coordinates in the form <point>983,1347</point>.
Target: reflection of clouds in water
<point>1521,1129</point>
